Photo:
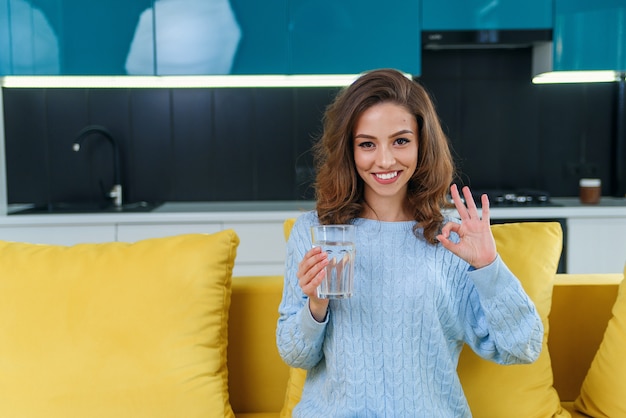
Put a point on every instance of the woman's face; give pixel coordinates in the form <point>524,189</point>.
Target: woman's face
<point>385,151</point>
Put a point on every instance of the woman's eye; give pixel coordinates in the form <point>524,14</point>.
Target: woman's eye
<point>402,141</point>
<point>366,145</point>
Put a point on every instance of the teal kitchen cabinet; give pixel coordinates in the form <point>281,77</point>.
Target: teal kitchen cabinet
<point>200,37</point>
<point>486,14</point>
<point>263,47</point>
<point>352,36</point>
<point>589,35</point>
<point>95,36</point>
<point>162,37</point>
<point>75,37</point>
<point>118,37</point>
<point>29,43</point>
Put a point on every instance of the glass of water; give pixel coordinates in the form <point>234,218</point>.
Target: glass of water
<point>338,242</point>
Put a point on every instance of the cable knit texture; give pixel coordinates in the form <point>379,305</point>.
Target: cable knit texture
<point>391,350</point>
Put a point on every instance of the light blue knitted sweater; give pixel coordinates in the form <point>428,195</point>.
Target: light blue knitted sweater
<point>391,350</point>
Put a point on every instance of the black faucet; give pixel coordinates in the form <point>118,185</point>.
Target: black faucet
<point>116,190</point>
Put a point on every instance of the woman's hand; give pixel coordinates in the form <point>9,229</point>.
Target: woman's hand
<point>311,271</point>
<point>476,244</point>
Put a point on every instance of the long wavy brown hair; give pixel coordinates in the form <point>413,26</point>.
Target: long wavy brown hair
<point>339,188</point>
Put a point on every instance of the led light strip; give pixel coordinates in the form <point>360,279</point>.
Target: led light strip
<point>576,77</point>
<point>323,80</point>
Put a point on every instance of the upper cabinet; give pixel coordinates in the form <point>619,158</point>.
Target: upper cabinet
<point>95,36</point>
<point>590,35</point>
<point>263,44</point>
<point>143,37</point>
<point>29,40</point>
<point>200,37</point>
<point>184,37</point>
<point>74,37</point>
<point>486,14</point>
<point>352,36</point>
<point>175,37</point>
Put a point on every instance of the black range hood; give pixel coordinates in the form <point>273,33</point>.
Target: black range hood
<point>492,38</point>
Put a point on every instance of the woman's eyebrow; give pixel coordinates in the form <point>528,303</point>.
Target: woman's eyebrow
<point>366,136</point>
<point>402,132</point>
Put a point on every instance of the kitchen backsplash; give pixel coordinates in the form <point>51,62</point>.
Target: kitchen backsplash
<point>509,133</point>
<point>254,143</point>
<point>177,144</point>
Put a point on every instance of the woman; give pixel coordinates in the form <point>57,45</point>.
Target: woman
<point>424,284</point>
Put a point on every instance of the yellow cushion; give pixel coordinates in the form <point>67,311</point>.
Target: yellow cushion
<point>116,329</point>
<point>581,309</point>
<point>287,225</point>
<point>603,392</point>
<point>294,391</point>
<point>532,251</point>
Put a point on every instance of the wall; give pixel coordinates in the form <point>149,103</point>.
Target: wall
<point>252,144</point>
<point>508,133</point>
<point>178,145</point>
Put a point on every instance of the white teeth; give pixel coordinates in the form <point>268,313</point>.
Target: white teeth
<point>387,176</point>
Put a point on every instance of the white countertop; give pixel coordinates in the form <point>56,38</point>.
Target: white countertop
<point>271,211</point>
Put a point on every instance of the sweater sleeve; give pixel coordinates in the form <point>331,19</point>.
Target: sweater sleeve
<point>505,325</point>
<point>299,336</point>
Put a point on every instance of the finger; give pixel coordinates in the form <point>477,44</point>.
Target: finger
<point>449,227</point>
<point>311,287</point>
<point>484,201</point>
<point>458,203</point>
<point>312,257</point>
<point>307,274</point>
<point>444,236</point>
<point>446,242</point>
<point>304,265</point>
<point>469,202</point>
<point>311,265</point>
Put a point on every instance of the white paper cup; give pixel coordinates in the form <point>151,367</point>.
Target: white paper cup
<point>590,191</point>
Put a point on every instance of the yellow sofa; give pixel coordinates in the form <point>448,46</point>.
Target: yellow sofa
<point>160,328</point>
<point>581,309</point>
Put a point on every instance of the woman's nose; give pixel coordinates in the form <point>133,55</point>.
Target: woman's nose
<point>386,158</point>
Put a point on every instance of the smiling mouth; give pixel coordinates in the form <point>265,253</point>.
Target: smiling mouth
<point>387,176</point>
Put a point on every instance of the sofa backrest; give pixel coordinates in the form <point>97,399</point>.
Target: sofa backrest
<point>257,376</point>
<point>581,309</point>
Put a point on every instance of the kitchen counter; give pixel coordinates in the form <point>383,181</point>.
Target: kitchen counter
<point>564,207</point>
<point>591,241</point>
<point>171,212</point>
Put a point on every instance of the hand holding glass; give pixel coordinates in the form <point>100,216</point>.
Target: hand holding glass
<point>338,242</point>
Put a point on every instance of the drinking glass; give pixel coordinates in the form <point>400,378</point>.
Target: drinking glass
<point>338,242</point>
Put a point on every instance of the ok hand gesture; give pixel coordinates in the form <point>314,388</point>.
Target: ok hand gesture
<point>476,244</point>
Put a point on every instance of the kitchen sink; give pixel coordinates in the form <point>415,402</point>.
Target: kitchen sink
<point>86,207</point>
